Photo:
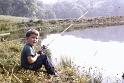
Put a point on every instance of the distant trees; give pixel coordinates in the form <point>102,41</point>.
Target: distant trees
<point>61,10</point>
<point>18,7</point>
<point>30,8</point>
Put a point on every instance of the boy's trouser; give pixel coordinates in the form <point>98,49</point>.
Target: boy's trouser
<point>43,60</point>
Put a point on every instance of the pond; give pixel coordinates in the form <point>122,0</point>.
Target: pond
<point>101,48</point>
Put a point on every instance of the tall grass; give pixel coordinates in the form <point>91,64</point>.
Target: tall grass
<point>77,74</point>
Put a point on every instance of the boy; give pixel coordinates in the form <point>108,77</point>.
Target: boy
<point>32,60</point>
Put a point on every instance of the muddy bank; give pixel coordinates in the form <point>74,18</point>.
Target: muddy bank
<point>56,26</point>
<point>96,21</point>
<point>101,21</point>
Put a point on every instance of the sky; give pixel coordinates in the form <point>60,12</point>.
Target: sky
<point>49,1</point>
<point>54,1</point>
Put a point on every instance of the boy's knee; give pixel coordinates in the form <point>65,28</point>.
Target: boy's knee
<point>43,57</point>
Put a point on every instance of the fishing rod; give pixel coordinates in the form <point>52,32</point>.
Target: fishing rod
<point>45,46</point>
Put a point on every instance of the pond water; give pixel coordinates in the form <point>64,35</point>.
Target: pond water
<point>101,48</point>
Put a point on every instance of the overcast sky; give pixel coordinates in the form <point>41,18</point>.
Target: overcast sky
<point>53,1</point>
<point>49,1</point>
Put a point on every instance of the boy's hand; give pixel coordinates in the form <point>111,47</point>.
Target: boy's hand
<point>42,50</point>
<point>39,52</point>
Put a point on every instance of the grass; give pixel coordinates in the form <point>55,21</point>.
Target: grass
<point>7,18</point>
<point>11,72</point>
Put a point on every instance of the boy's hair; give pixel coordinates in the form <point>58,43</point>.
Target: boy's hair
<point>32,31</point>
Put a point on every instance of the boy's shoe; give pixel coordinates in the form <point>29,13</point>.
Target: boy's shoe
<point>52,75</point>
<point>56,74</point>
<point>123,76</point>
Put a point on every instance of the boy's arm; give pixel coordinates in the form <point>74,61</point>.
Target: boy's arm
<point>32,59</point>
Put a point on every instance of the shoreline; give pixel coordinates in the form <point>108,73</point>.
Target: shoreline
<point>46,27</point>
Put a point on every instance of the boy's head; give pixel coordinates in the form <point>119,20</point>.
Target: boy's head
<point>32,36</point>
<point>32,31</point>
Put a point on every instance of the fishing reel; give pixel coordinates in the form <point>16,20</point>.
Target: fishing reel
<point>43,49</point>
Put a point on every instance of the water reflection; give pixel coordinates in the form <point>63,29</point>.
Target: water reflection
<point>112,33</point>
<point>98,47</point>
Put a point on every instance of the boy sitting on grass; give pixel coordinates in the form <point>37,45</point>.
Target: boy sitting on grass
<point>32,60</point>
